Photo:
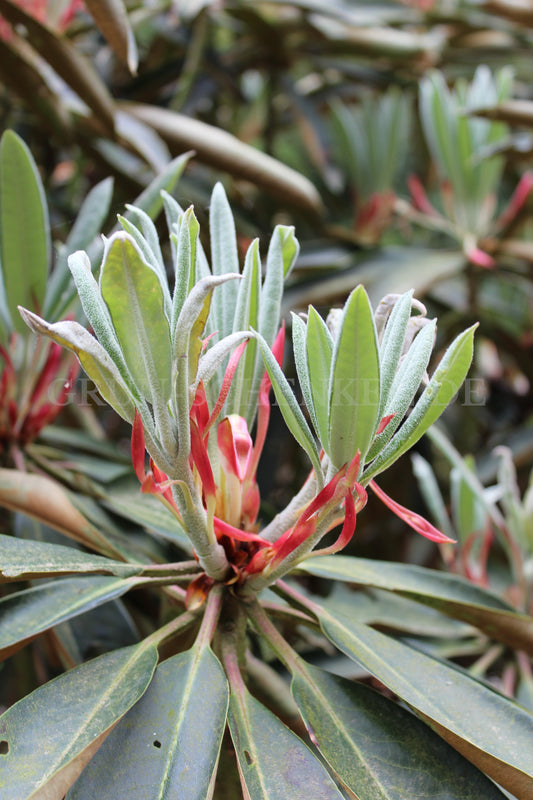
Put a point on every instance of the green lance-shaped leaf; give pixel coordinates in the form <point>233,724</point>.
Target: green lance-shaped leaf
<point>25,614</point>
<point>319,350</point>
<point>24,229</point>
<point>185,271</point>
<point>274,763</point>
<point>168,744</point>
<point>133,294</point>
<point>282,253</point>
<point>144,234</point>
<point>241,399</point>
<point>97,314</point>
<point>299,334</point>
<point>405,385</point>
<point>87,226</point>
<point>450,594</point>
<point>379,749</point>
<point>354,382</point>
<point>23,559</point>
<point>493,732</point>
<point>392,344</point>
<point>94,359</point>
<point>224,258</point>
<point>442,388</point>
<point>48,736</point>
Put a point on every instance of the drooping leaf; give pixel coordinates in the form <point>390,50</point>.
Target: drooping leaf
<point>47,501</point>
<point>69,63</point>
<point>354,382</point>
<point>274,763</point>
<point>112,20</point>
<point>451,594</point>
<point>25,614</point>
<point>378,749</point>
<point>492,731</point>
<point>48,736</point>
<point>219,148</point>
<point>168,743</point>
<point>21,559</point>
<point>24,229</point>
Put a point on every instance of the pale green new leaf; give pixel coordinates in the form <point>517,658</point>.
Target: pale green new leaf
<point>299,331</point>
<point>97,314</point>
<point>377,748</point>
<point>224,258</point>
<point>168,744</point>
<point>405,385</point>
<point>24,229</point>
<point>354,382</point>
<point>282,253</point>
<point>391,346</point>
<point>443,386</point>
<point>133,294</point>
<point>185,262</point>
<point>492,731</point>
<point>274,763</point>
<point>241,399</point>
<point>76,710</point>
<point>289,407</point>
<point>319,350</point>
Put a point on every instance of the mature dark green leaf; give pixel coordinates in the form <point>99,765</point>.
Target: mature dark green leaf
<point>48,736</point>
<point>21,559</point>
<point>492,731</point>
<point>25,614</point>
<point>24,229</point>
<point>168,743</point>
<point>380,750</point>
<point>384,609</point>
<point>451,594</point>
<point>274,763</point>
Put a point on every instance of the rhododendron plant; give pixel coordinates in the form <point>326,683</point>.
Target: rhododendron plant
<point>194,371</point>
